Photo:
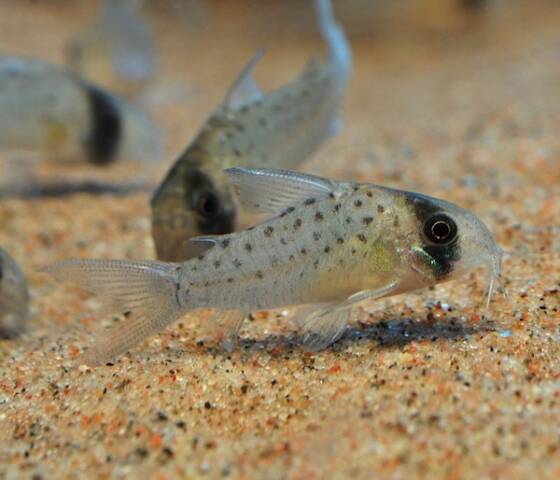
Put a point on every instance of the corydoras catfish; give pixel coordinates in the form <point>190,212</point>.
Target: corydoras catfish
<point>14,297</point>
<point>328,246</point>
<point>278,129</point>
<point>118,51</point>
<point>49,111</point>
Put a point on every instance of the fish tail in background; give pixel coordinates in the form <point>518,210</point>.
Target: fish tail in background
<point>148,290</point>
<point>339,48</point>
<point>142,139</point>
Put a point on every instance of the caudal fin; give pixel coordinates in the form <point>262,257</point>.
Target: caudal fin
<point>146,289</point>
<point>332,32</point>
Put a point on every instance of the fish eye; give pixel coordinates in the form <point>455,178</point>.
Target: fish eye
<point>440,229</point>
<point>208,204</point>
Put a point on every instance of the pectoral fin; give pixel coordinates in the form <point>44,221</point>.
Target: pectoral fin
<point>272,191</point>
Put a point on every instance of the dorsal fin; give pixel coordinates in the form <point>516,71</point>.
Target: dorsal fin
<point>244,89</point>
<point>272,191</point>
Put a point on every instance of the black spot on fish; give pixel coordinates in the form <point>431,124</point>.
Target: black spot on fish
<point>367,220</point>
<point>225,243</point>
<point>236,263</point>
<point>355,188</point>
<point>283,241</point>
<point>201,257</point>
<point>229,280</point>
<point>315,264</point>
<point>369,193</point>
<point>268,231</point>
<point>337,207</point>
<point>327,249</point>
<point>316,236</point>
<point>340,240</point>
<point>309,201</point>
<point>380,208</point>
<point>236,152</point>
<point>248,247</point>
<point>319,217</point>
<point>361,237</point>
<point>358,203</point>
<point>106,128</point>
<point>297,223</point>
<point>303,251</point>
<point>259,274</point>
<point>331,195</point>
<point>217,264</point>
<point>285,212</point>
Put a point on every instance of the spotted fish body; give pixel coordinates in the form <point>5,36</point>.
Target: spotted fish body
<point>279,129</point>
<point>118,51</point>
<point>329,244</point>
<point>46,110</point>
<point>14,297</point>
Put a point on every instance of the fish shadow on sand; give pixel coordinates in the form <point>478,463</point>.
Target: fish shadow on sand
<point>386,334</point>
<point>57,189</point>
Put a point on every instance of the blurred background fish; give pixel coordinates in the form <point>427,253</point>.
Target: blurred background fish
<point>14,297</point>
<point>280,128</point>
<point>118,51</point>
<point>51,113</point>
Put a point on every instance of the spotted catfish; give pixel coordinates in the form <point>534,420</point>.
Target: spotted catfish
<point>277,129</point>
<point>51,112</point>
<point>14,297</point>
<point>329,245</point>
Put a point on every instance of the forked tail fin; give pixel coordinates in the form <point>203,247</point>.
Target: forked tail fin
<point>332,32</point>
<point>146,289</point>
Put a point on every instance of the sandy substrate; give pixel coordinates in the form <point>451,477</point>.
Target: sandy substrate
<point>426,385</point>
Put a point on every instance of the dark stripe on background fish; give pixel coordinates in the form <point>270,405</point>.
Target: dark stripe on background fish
<point>106,132</point>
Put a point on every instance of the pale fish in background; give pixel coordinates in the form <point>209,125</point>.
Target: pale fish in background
<point>329,245</point>
<point>118,51</point>
<point>14,297</point>
<point>52,113</point>
<point>278,129</point>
